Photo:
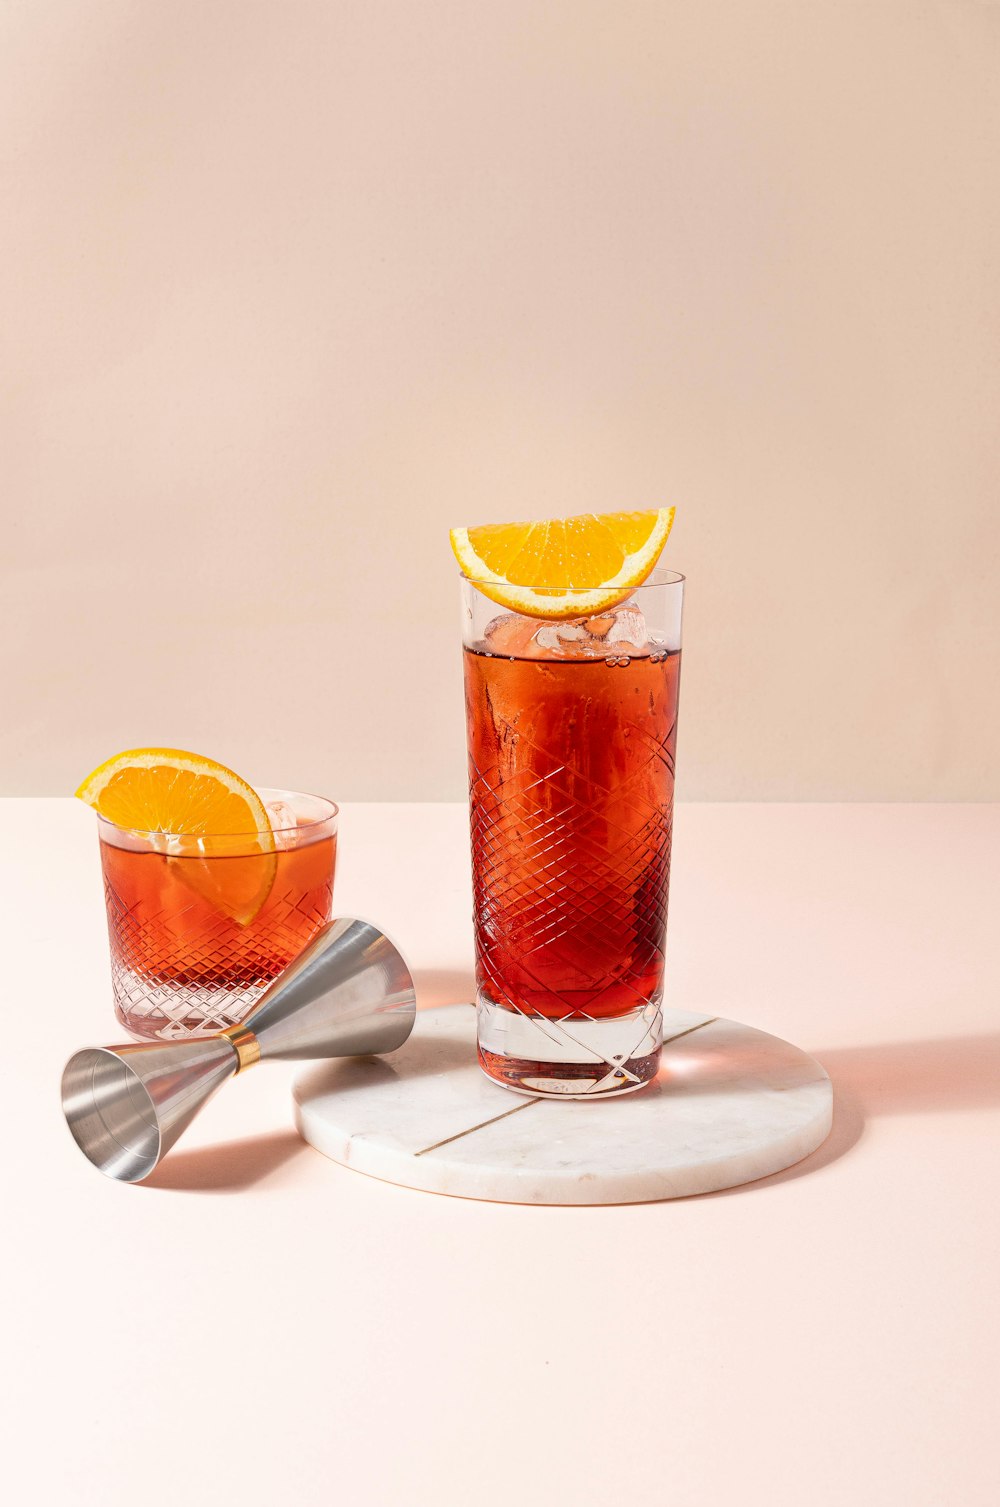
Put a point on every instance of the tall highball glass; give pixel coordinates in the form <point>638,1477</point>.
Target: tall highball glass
<point>572,728</point>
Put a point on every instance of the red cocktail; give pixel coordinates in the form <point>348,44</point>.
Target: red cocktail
<point>571,733</point>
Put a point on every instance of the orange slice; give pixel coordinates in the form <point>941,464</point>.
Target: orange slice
<point>231,863</point>
<point>568,568</point>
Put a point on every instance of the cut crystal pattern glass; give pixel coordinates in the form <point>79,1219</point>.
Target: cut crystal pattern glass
<point>571,778</point>
<point>199,927</point>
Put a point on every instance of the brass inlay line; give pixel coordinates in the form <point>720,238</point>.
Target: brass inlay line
<point>518,1107</point>
<point>688,1029</point>
<point>529,1104</point>
<point>245,1044</point>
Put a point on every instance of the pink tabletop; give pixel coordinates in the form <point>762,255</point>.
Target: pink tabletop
<point>259,1325</point>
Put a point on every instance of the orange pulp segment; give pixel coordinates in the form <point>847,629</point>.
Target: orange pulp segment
<point>171,791</point>
<point>567,568</point>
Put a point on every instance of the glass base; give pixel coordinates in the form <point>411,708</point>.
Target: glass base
<point>154,1010</point>
<point>576,1057</point>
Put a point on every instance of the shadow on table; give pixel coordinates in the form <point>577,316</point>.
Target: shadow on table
<point>896,1078</point>
<point>231,1167</point>
<point>906,1077</point>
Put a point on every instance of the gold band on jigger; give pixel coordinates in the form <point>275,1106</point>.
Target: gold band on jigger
<point>246,1045</point>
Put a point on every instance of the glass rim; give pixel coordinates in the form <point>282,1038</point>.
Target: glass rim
<point>331,814</point>
<point>661,576</point>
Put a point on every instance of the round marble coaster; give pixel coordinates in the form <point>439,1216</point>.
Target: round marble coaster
<point>730,1104</point>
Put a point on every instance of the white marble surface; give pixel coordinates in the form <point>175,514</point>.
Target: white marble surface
<point>729,1105</point>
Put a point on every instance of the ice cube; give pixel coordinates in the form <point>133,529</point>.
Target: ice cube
<point>174,844</point>
<point>618,633</point>
<point>628,629</point>
<point>511,635</point>
<point>284,823</point>
<point>561,638</point>
<point>526,638</point>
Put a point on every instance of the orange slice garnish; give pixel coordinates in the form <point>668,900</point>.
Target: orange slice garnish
<point>230,860</point>
<point>568,568</point>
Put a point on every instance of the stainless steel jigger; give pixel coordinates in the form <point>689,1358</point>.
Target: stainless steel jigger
<point>348,993</point>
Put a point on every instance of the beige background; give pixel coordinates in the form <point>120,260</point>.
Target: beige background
<point>287,289</point>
